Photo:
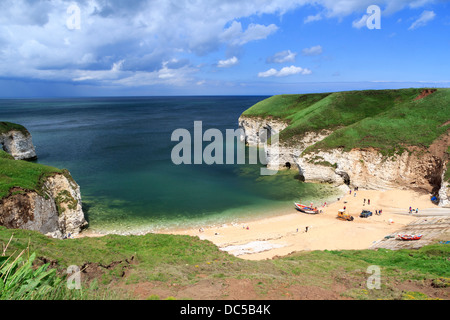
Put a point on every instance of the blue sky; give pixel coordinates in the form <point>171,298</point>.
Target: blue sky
<point>56,48</point>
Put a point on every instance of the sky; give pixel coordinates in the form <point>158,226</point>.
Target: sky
<point>59,48</point>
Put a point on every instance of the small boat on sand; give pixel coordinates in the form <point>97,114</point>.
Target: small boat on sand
<point>408,237</point>
<point>306,209</point>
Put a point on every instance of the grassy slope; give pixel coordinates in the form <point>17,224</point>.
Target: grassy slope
<point>22,174</point>
<point>388,120</point>
<point>8,126</point>
<point>181,260</point>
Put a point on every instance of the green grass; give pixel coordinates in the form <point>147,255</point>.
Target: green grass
<point>5,127</point>
<point>388,120</point>
<point>22,279</point>
<point>22,174</point>
<point>5,155</point>
<point>170,259</point>
<point>283,106</point>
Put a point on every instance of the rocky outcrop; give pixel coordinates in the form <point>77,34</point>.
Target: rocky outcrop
<point>19,144</point>
<point>416,169</point>
<point>254,130</point>
<point>56,213</point>
<point>54,208</point>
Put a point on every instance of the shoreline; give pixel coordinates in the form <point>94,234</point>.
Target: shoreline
<point>276,210</point>
<point>285,232</point>
<point>294,231</point>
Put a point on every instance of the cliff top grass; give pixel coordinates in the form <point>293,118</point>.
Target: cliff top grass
<point>22,174</point>
<point>388,120</point>
<point>6,127</point>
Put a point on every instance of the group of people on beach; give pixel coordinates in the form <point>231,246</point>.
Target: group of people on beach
<point>411,210</point>
<point>378,212</point>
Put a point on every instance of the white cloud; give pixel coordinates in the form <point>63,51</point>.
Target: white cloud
<point>122,41</point>
<point>419,3</point>
<point>117,66</point>
<point>282,57</point>
<point>313,51</point>
<point>228,63</point>
<point>424,18</point>
<point>236,36</point>
<point>358,24</point>
<point>316,17</point>
<point>284,72</point>
<point>342,8</point>
<point>269,73</point>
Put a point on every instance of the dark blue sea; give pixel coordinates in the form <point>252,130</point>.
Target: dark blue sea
<point>119,152</point>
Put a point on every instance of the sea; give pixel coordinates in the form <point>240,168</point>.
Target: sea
<point>119,150</point>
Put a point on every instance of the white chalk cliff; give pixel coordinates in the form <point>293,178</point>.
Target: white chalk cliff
<point>18,144</point>
<point>56,210</point>
<point>55,213</point>
<point>366,168</point>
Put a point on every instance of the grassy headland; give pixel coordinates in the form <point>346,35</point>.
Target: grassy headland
<point>6,127</point>
<point>23,175</point>
<point>388,120</point>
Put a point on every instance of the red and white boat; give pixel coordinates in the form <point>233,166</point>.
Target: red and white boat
<point>410,236</point>
<point>306,209</point>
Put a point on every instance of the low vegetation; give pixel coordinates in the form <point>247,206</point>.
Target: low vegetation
<point>113,263</point>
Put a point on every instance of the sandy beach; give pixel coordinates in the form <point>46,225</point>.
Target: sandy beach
<point>295,231</point>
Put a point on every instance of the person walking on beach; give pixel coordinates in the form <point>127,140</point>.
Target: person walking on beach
<point>368,202</point>
<point>306,229</point>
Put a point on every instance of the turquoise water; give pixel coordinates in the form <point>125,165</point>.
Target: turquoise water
<point>119,152</point>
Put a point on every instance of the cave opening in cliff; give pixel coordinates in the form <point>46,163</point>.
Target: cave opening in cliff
<point>300,176</point>
<point>287,165</point>
<point>347,181</point>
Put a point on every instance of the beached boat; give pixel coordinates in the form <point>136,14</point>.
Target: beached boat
<point>306,209</point>
<point>410,236</point>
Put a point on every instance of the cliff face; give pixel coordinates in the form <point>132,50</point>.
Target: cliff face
<point>56,213</point>
<point>18,144</point>
<point>52,206</point>
<point>365,168</point>
<point>444,193</point>
<point>253,130</point>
